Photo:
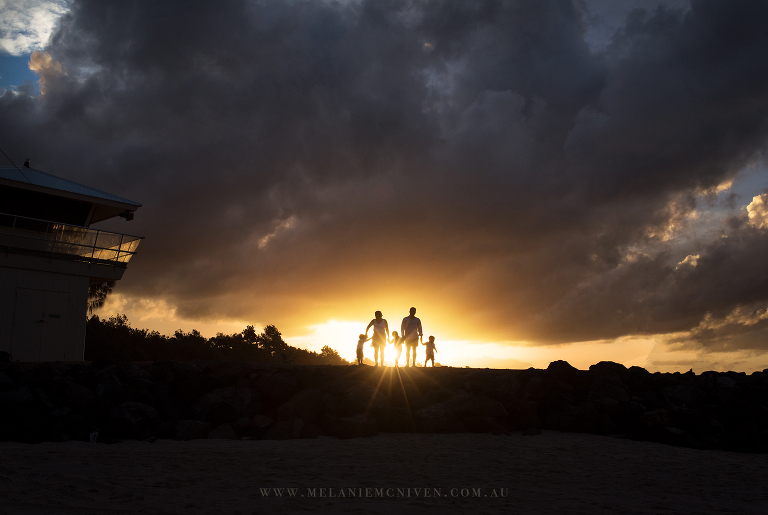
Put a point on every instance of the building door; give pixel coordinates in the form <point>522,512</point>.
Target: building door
<point>40,325</point>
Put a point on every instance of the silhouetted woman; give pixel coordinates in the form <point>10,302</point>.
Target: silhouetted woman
<point>380,336</point>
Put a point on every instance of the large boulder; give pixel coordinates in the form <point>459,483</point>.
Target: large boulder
<point>436,395</point>
<point>608,368</point>
<point>274,389</point>
<point>226,373</point>
<point>224,405</point>
<point>582,418</point>
<point>132,420</point>
<point>223,432</point>
<point>357,426</point>
<point>395,420</point>
<point>407,396</point>
<point>437,418</point>
<point>191,429</point>
<point>169,403</point>
<point>363,398</point>
<point>16,400</point>
<point>78,397</point>
<point>686,394</point>
<point>523,414</point>
<point>306,405</point>
<point>6,383</point>
<point>480,406</point>
<point>655,419</point>
<point>563,371</point>
<point>608,390</point>
<point>482,425</point>
<point>285,430</point>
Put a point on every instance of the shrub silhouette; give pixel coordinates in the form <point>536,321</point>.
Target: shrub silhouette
<point>114,338</point>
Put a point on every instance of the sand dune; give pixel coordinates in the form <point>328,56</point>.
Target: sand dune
<point>550,473</point>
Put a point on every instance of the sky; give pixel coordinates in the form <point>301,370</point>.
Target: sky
<point>542,179</point>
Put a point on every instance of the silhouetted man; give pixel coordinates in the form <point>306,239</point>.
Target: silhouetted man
<point>412,333</point>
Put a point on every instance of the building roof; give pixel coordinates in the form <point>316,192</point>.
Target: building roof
<point>105,205</point>
<point>29,176</point>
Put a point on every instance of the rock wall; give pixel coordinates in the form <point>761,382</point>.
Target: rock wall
<point>108,400</point>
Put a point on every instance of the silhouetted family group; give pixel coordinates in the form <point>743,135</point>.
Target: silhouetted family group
<point>412,335</point>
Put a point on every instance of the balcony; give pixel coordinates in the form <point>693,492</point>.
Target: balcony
<point>22,235</point>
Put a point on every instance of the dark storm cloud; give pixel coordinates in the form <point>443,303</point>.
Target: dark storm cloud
<point>290,154</point>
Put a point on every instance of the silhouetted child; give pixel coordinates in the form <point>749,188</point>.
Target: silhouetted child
<point>398,343</point>
<point>360,344</point>
<point>430,351</point>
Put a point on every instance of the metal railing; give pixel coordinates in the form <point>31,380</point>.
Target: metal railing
<point>20,234</point>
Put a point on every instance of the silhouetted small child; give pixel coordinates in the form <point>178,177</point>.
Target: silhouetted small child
<point>398,343</point>
<point>360,344</point>
<point>430,351</point>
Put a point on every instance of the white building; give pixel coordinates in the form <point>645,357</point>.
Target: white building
<point>49,256</point>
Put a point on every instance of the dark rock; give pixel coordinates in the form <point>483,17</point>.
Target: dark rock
<point>563,371</point>
<point>169,403</point>
<point>223,432</point>
<point>306,405</point>
<point>608,368</point>
<point>100,364</point>
<point>164,430</point>
<point>224,405</point>
<point>437,395</point>
<point>655,419</point>
<point>582,418</point>
<point>408,396</point>
<point>275,389</point>
<point>458,398</point>
<point>437,418</point>
<point>78,397</point>
<point>532,431</point>
<point>77,427</point>
<point>608,390</point>
<point>627,416</point>
<point>285,430</point>
<point>395,420</point>
<point>132,420</point>
<point>482,425</point>
<point>61,412</point>
<point>243,423</point>
<point>357,426</point>
<point>330,402</point>
<point>5,383</point>
<point>651,399</point>
<point>524,376</point>
<point>480,406</point>
<point>110,391</point>
<point>82,375</point>
<point>686,394</point>
<point>363,398</point>
<point>523,414</point>
<point>191,429</point>
<point>226,373</point>
<point>17,400</point>
<point>262,421</point>
<point>534,388</point>
<point>310,431</point>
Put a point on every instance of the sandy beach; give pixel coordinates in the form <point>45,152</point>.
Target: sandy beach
<point>461,473</point>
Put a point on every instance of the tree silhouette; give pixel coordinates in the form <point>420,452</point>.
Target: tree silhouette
<point>114,338</point>
<point>97,295</point>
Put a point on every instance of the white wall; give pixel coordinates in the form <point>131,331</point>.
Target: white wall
<point>65,336</point>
